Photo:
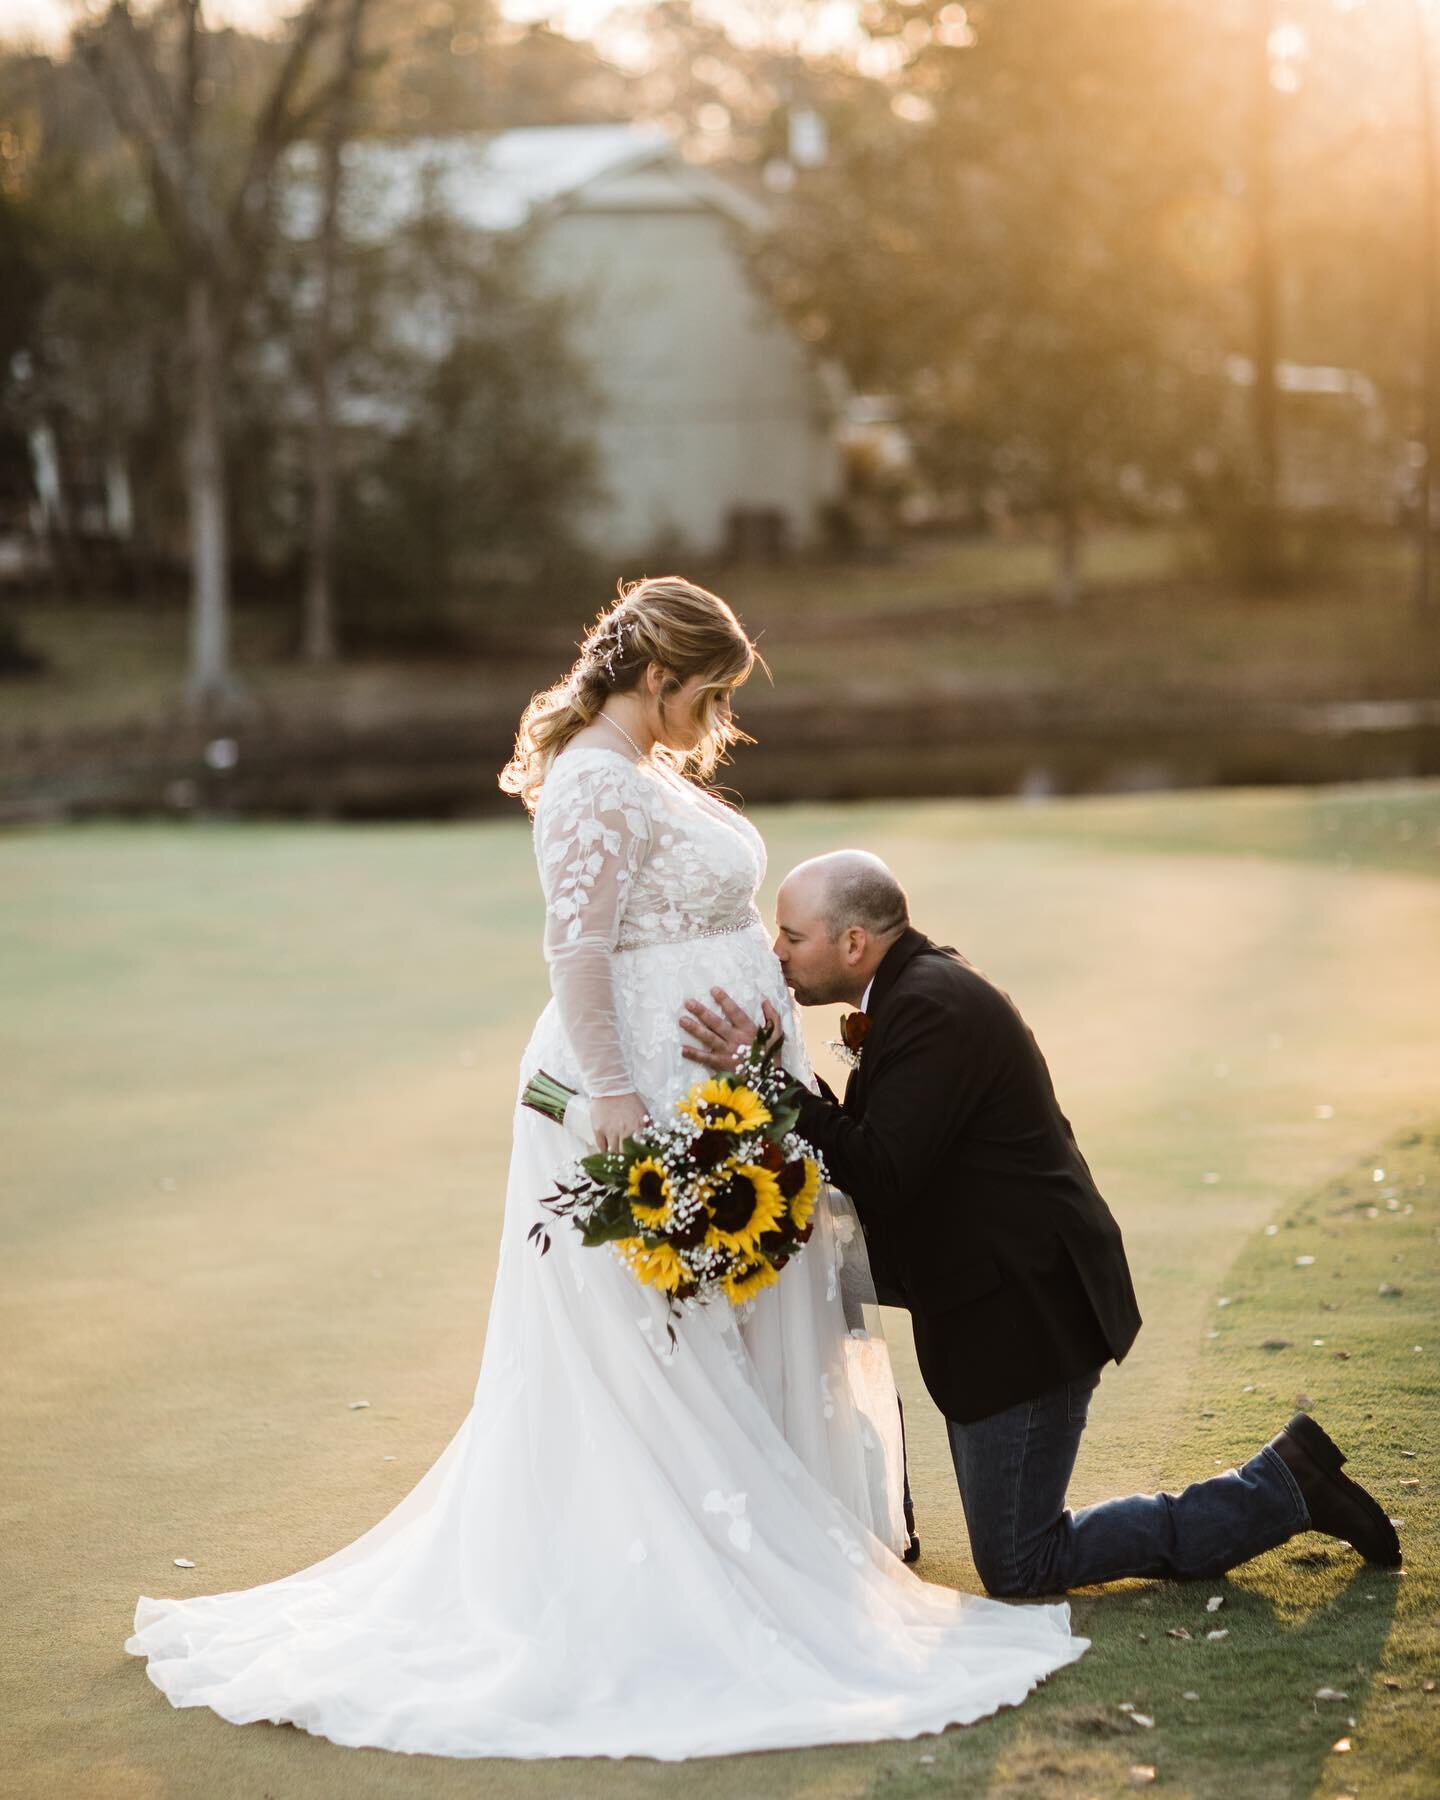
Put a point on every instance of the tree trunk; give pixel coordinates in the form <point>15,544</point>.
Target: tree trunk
<point>319,637</point>
<point>1430,317</point>
<point>1067,568</point>
<point>319,642</point>
<point>1263,303</point>
<point>209,685</point>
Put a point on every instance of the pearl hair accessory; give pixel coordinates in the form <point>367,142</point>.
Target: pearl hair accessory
<point>608,649</point>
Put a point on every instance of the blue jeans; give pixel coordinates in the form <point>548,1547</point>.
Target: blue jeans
<point>1014,1468</point>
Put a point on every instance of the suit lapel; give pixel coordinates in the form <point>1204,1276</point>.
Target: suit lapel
<point>905,949</point>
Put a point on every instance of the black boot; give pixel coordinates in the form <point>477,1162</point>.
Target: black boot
<point>1337,1505</point>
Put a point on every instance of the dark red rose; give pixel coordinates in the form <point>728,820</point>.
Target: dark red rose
<point>792,1178</point>
<point>771,1157</point>
<point>711,1148</point>
<point>853,1028</point>
<point>778,1240</point>
<point>687,1236</point>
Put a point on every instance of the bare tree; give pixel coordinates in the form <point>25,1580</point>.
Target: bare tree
<point>318,635</point>
<point>152,70</point>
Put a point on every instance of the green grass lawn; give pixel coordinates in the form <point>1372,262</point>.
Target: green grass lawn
<point>255,1122</point>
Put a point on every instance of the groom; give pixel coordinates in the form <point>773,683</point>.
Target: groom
<point>982,1218</point>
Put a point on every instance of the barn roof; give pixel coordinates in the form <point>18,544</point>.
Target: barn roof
<point>496,182</point>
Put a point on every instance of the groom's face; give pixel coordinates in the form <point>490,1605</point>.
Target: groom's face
<point>816,967</point>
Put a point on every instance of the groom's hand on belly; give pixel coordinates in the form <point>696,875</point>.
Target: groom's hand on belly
<point>720,1038</point>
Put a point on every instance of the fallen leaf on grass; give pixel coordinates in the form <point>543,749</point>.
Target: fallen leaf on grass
<point>1189,1694</point>
<point>1341,1746</point>
<point>1342,1356</point>
<point>1304,1402</point>
<point>1388,1291</point>
<point>1214,1637</point>
<point>1142,1775</point>
<point>1410,1481</point>
<point>1304,1262</point>
<point>1214,1603</point>
<point>358,1405</point>
<point>1331,1694</point>
<point>183,1562</point>
<point>1427,1687</point>
<point>1389,1681</point>
<point>1143,1719</point>
<point>1178,1631</point>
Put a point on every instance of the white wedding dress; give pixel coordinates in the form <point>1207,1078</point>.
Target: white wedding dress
<point>629,1548</point>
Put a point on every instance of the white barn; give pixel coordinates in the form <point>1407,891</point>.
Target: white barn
<point>718,429</point>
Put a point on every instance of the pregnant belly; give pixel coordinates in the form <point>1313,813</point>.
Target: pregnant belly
<point>653,984</point>
<point>651,988</point>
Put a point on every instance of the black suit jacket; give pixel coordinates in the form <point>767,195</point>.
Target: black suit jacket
<point>980,1213</point>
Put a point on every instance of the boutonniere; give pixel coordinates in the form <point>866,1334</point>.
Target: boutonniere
<point>851,1041</point>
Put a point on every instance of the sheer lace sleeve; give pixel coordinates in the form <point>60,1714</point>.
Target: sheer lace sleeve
<point>592,832</point>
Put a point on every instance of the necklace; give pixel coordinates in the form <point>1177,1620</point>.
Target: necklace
<point>627,737</point>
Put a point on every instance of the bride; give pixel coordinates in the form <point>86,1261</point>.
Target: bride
<point>629,1547</point>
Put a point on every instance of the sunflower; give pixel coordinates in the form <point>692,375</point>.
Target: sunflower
<point>746,1279</point>
<point>649,1192</point>
<point>663,1267</point>
<point>723,1105</point>
<point>744,1202</point>
<point>799,1183</point>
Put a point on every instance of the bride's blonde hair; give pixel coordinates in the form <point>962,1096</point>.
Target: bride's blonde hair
<point>686,631</point>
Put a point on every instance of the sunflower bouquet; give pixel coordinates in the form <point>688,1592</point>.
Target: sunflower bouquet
<point>714,1201</point>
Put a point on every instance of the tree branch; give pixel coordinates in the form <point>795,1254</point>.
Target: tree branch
<point>275,129</point>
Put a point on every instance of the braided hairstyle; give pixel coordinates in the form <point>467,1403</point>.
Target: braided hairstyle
<point>686,631</point>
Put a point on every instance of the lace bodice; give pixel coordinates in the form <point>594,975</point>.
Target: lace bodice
<point>631,856</point>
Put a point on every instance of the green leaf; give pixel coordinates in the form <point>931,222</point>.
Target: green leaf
<point>600,1230</point>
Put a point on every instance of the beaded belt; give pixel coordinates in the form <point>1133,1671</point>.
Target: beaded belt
<point>749,917</point>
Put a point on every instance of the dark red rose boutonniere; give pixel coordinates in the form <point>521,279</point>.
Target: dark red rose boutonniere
<point>853,1029</point>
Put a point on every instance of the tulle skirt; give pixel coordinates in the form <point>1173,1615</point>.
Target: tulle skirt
<point>629,1547</point>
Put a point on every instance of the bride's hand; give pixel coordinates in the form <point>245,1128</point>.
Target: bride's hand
<point>615,1118</point>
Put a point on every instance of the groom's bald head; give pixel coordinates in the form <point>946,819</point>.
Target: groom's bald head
<point>836,916</point>
<point>852,887</point>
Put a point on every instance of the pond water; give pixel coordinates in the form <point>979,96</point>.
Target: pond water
<point>819,755</point>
